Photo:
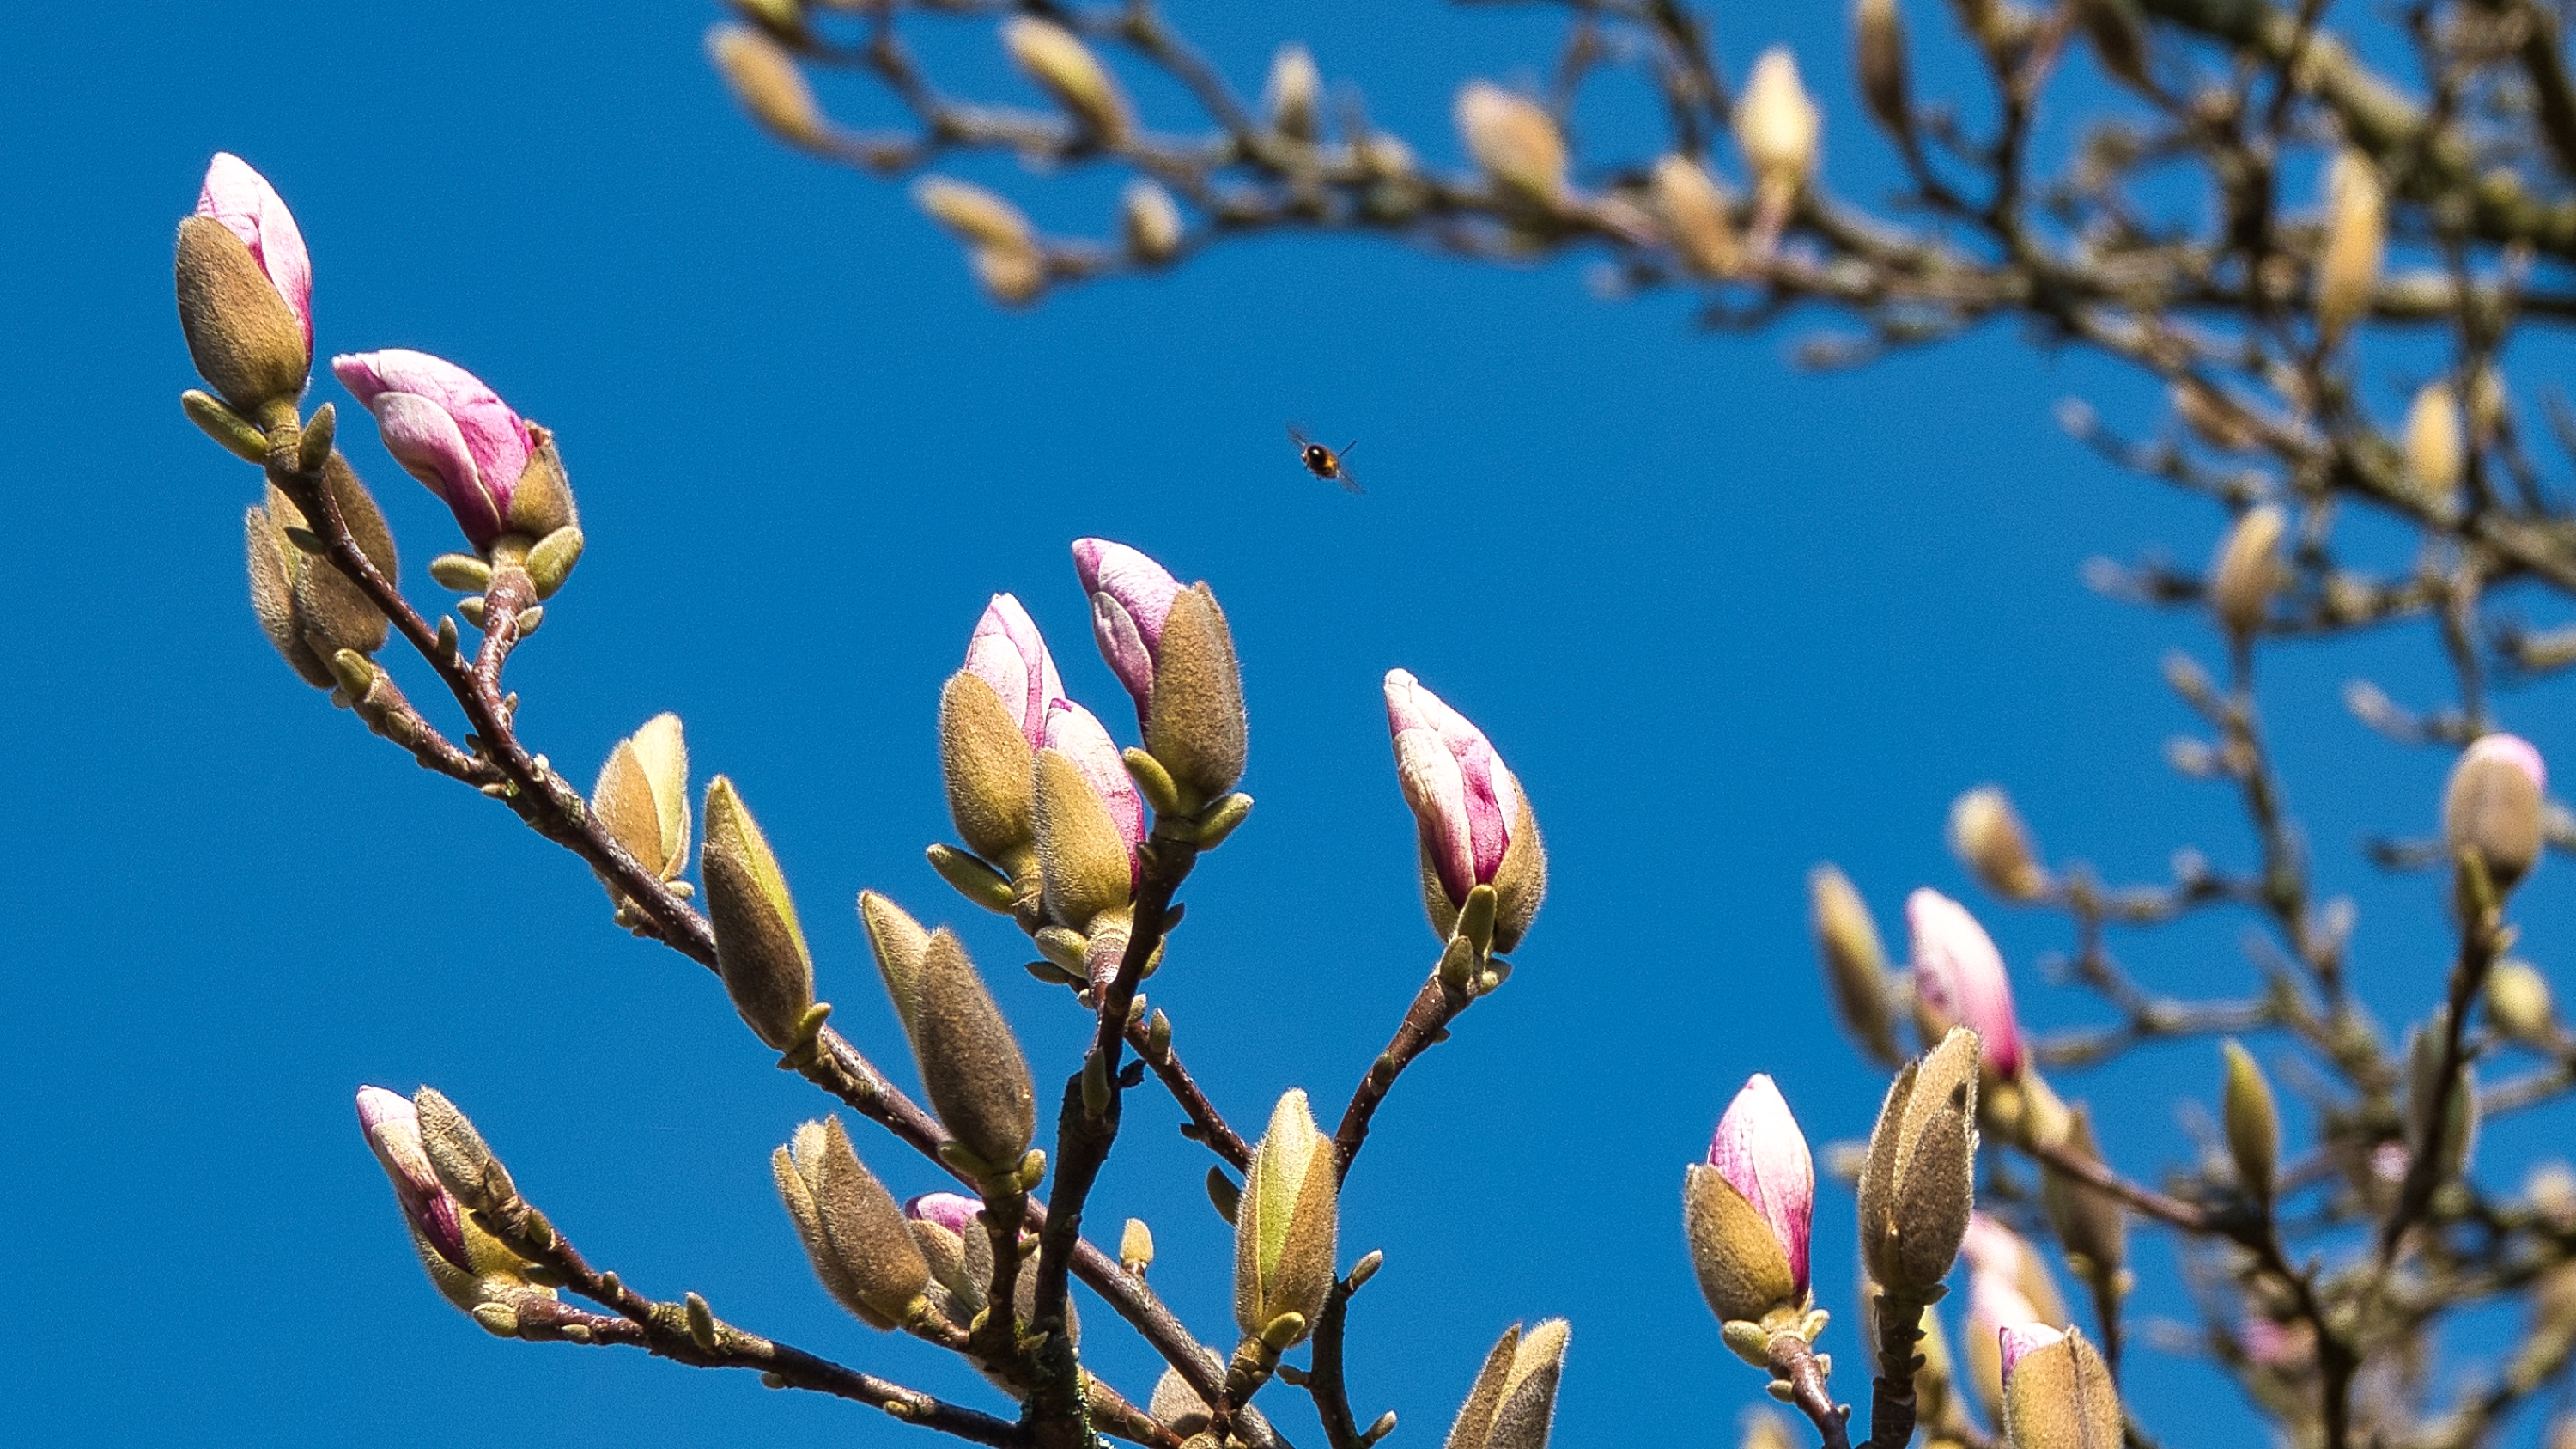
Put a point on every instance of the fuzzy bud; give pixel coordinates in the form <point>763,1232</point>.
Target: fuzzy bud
<point>760,949</point>
<point>307,607</point>
<point>497,472</point>
<point>1473,822</point>
<point>1959,980</point>
<point>245,285</point>
<point>1172,649</point>
<point>1994,1305</point>
<point>764,78</point>
<point>1284,1222</point>
<point>1151,221</point>
<point>1291,95</point>
<point>2253,1123</point>
<point>1778,125</point>
<point>2246,571</point>
<point>470,1268</point>
<point>643,796</point>
<point>1515,140</point>
<point>2435,451</point>
<point>2519,1005</point>
<point>1919,1182</point>
<point>1065,68</point>
<point>854,1235</point>
<point>1988,837</point>
<point>1513,1402</point>
<point>1086,861</point>
<point>1855,964</point>
<point>1696,215</point>
<point>1747,1211</point>
<point>2058,1393</point>
<point>2493,808</point>
<point>2356,240</point>
<point>1878,46</point>
<point>2090,1223</point>
<point>971,1065</point>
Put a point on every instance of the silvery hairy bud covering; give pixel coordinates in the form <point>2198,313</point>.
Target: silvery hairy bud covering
<point>309,610</point>
<point>971,1065</point>
<point>2058,1393</point>
<point>855,1236</point>
<point>1919,1182</point>
<point>1515,140</point>
<point>1170,646</point>
<point>760,948</point>
<point>2491,811</point>
<point>643,796</point>
<point>469,1267</point>
<point>1284,1228</point>
<point>1855,963</point>
<point>1746,1211</point>
<point>1473,822</point>
<point>1513,1402</point>
<point>245,288</point>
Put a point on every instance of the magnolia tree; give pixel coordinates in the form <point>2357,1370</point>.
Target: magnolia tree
<point>2326,1269</point>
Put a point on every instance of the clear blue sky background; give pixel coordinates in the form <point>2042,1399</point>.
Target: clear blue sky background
<point>1724,620</point>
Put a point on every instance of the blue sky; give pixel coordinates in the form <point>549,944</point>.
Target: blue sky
<point>1723,619</point>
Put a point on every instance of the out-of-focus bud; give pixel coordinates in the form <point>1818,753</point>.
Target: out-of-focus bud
<point>1988,837</point>
<point>760,949</point>
<point>2090,1223</point>
<point>309,609</point>
<point>1855,963</point>
<point>1778,126</point>
<point>1515,140</point>
<point>2492,809</point>
<point>1992,1248</point>
<point>1513,1403</point>
<point>1060,63</point>
<point>1746,1211</point>
<point>2246,571</point>
<point>245,288</point>
<point>2119,35</point>
<point>2435,452</point>
<point>853,1233</point>
<point>643,796</point>
<point>1994,1305</point>
<point>2212,416</point>
<point>1878,47</point>
<point>1959,980</point>
<point>1695,213</point>
<point>1473,822</point>
<point>2058,1393</point>
<point>1919,1183</point>
<point>497,472</point>
<point>971,1065</point>
<point>469,1267</point>
<point>2519,1004</point>
<point>974,215</point>
<point>1766,1428</point>
<point>1284,1227</point>
<point>765,80</point>
<point>1010,276</point>
<point>2356,240</point>
<point>2253,1123</point>
<point>1294,87</point>
<point>1151,221</point>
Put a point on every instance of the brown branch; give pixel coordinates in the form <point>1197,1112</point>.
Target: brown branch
<point>1794,1362</point>
<point>1425,1024</point>
<point>1207,1124</point>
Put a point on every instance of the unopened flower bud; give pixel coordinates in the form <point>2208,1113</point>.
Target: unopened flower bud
<point>1291,95</point>
<point>2253,1123</point>
<point>1136,1246</point>
<point>307,607</point>
<point>1151,221</point>
<point>469,1267</point>
<point>1987,836</point>
<point>1855,963</point>
<point>1060,63</point>
<point>764,78</point>
<point>1131,596</point>
<point>1919,1182</point>
<point>2492,809</point>
<point>1746,1212</point>
<point>760,948</point>
<point>1284,1222</point>
<point>976,216</point>
<point>1778,125</point>
<point>1513,1402</point>
<point>2519,1005</point>
<point>971,1065</point>
<point>1195,727</point>
<point>1178,1407</point>
<point>2356,239</point>
<point>1473,822</point>
<point>2435,452</point>
<point>1994,1306</point>
<point>1515,140</point>
<point>2090,1223</point>
<point>2246,571</point>
<point>497,472</point>
<point>1959,980</point>
<point>853,1233</point>
<point>1878,46</point>
<point>1992,1248</point>
<point>643,796</point>
<point>1086,860</point>
<point>1695,214</point>
<point>2058,1393</point>
<point>245,287</point>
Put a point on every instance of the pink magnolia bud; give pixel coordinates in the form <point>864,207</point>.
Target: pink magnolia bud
<point>249,208</point>
<point>1131,595</point>
<point>956,1212</point>
<point>1007,653</point>
<point>447,429</point>
<point>392,1126</point>
<point>2021,1338</point>
<point>1761,1153</point>
<point>1464,799</point>
<point>1959,979</point>
<point>1077,734</point>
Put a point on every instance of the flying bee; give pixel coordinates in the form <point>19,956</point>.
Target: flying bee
<point>1325,463</point>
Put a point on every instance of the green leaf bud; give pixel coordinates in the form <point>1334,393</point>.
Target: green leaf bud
<point>1855,963</point>
<point>1284,1224</point>
<point>760,948</point>
<point>642,797</point>
<point>239,435</point>
<point>2253,1123</point>
<point>1513,1402</point>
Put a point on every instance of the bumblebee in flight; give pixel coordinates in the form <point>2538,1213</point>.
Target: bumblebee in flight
<point>1325,463</point>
